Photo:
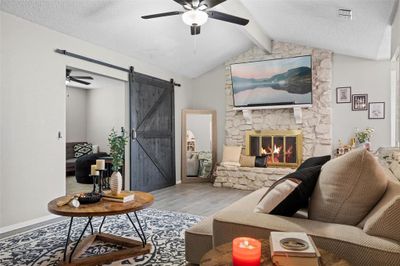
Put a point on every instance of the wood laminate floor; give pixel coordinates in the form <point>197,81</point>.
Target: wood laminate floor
<point>196,198</point>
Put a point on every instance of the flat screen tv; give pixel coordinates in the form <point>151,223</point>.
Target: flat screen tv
<point>276,82</point>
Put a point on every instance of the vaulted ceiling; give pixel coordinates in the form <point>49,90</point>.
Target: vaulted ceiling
<point>167,43</point>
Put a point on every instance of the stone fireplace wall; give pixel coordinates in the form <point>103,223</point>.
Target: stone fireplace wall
<point>316,125</point>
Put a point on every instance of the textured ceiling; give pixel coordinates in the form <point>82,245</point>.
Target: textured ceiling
<point>166,42</point>
<point>315,23</point>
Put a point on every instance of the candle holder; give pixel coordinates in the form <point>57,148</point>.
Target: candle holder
<point>95,179</point>
<point>100,181</point>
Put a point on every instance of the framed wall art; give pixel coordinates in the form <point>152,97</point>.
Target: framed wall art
<point>359,102</point>
<point>343,95</point>
<point>376,110</point>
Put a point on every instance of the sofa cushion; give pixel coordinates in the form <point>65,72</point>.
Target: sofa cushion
<point>291,196</point>
<point>247,161</point>
<point>231,155</point>
<point>314,161</point>
<point>198,240</point>
<point>392,190</point>
<point>385,223</point>
<point>348,188</point>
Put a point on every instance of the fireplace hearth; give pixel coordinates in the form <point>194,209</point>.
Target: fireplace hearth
<point>284,148</point>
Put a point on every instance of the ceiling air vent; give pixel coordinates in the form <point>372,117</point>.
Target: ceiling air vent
<point>345,13</point>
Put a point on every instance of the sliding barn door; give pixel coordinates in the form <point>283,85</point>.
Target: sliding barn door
<point>152,132</point>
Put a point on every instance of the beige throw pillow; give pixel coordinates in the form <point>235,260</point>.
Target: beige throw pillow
<point>247,161</point>
<point>276,195</point>
<point>348,188</point>
<point>385,223</point>
<point>231,155</point>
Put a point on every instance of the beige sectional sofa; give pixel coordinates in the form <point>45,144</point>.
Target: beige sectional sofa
<point>347,241</point>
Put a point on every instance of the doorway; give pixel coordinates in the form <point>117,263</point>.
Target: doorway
<point>95,104</point>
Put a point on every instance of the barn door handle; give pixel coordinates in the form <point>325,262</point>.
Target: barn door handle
<point>133,134</point>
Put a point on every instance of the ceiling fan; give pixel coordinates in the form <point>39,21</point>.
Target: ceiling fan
<point>196,13</point>
<point>69,78</point>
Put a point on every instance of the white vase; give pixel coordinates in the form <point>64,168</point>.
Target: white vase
<point>116,183</point>
<point>366,145</point>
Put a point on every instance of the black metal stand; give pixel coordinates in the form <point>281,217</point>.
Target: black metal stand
<point>100,184</point>
<point>141,236</point>
<point>68,235</point>
<point>80,237</point>
<point>140,233</point>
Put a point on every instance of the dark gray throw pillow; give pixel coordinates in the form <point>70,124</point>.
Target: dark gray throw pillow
<point>261,161</point>
<point>298,198</point>
<point>314,161</point>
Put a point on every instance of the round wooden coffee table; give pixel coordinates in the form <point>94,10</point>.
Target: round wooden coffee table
<point>104,208</point>
<point>222,256</point>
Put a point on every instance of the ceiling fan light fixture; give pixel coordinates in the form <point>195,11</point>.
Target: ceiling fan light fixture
<point>194,17</point>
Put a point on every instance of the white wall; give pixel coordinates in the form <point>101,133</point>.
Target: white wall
<point>33,111</point>
<point>208,92</point>
<point>364,76</point>
<point>1,128</point>
<point>396,32</point>
<point>105,110</point>
<point>76,114</point>
<point>200,125</point>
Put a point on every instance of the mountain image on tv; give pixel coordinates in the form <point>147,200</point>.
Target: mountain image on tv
<point>285,81</point>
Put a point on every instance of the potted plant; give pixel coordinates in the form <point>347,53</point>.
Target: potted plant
<point>363,137</point>
<point>117,151</point>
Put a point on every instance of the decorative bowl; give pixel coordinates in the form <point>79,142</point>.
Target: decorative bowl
<point>88,198</point>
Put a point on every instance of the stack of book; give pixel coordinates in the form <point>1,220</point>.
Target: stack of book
<point>124,196</point>
<point>293,248</point>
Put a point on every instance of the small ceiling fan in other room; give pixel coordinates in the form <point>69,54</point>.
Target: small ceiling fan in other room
<point>70,78</point>
<point>197,12</point>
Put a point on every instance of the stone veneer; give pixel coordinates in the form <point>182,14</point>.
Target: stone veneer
<point>248,178</point>
<point>316,125</point>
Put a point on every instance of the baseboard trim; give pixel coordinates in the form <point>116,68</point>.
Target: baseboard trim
<point>17,226</point>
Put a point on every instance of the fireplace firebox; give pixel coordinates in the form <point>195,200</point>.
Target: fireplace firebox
<point>284,148</point>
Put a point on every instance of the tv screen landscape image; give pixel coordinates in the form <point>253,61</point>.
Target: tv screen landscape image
<point>286,81</point>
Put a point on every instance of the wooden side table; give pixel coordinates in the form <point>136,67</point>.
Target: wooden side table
<point>222,256</point>
<point>103,209</point>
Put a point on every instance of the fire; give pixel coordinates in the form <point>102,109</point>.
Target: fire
<point>263,151</point>
<point>276,151</point>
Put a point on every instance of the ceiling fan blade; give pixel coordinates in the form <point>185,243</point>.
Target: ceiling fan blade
<point>194,30</point>
<point>183,2</point>
<point>211,3</point>
<point>79,81</point>
<point>227,18</point>
<point>165,14</point>
<point>81,77</point>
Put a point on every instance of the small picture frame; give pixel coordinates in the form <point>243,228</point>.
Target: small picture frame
<point>376,110</point>
<point>343,95</point>
<point>359,102</point>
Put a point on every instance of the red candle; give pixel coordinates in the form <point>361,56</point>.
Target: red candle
<point>246,251</point>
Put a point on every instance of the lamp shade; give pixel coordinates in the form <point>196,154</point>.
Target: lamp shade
<point>194,17</point>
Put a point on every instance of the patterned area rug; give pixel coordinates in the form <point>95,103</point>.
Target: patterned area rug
<point>45,245</point>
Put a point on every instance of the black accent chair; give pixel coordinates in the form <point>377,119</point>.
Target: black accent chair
<point>82,167</point>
